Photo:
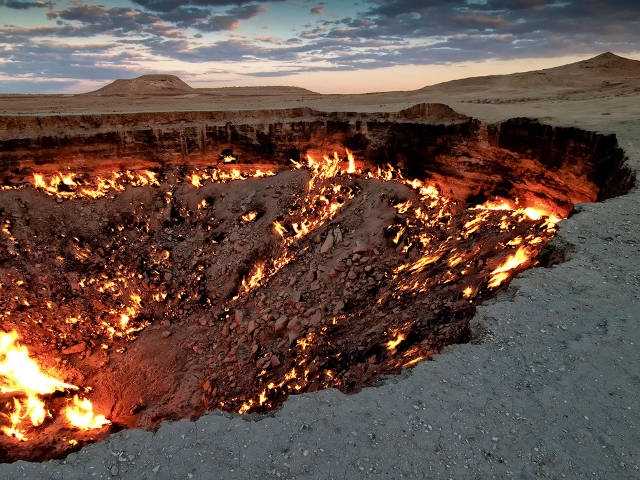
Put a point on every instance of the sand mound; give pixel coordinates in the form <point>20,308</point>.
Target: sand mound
<point>146,85</point>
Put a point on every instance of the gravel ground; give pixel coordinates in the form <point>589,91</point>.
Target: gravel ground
<point>549,388</point>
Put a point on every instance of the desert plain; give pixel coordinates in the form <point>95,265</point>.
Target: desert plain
<point>548,386</point>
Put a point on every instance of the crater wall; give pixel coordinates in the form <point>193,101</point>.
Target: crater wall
<point>472,160</point>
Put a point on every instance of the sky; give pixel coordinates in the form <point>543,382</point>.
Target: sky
<point>328,46</point>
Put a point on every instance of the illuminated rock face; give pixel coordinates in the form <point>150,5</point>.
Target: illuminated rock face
<point>427,141</point>
<point>139,268</point>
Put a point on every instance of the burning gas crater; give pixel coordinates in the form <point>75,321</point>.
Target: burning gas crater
<point>139,296</point>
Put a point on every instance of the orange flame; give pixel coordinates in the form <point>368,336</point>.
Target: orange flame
<point>352,162</point>
<point>249,216</point>
<point>19,373</point>
<point>81,415</point>
<point>392,344</point>
<point>254,280</point>
<point>21,377</point>
<point>501,273</point>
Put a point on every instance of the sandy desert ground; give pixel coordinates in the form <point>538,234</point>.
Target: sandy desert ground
<point>549,386</point>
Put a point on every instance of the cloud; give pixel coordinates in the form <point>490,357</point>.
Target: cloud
<point>42,60</point>
<point>90,20</point>
<point>230,19</point>
<point>29,85</point>
<point>466,30</point>
<point>21,5</point>
<point>169,5</point>
<point>379,33</point>
<point>428,18</point>
<point>165,18</point>
<point>185,16</point>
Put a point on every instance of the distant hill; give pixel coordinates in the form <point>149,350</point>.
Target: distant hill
<point>608,63</point>
<point>170,85</point>
<point>602,71</point>
<point>256,91</point>
<point>145,85</point>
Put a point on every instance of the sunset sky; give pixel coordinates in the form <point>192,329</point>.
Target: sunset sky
<point>326,46</point>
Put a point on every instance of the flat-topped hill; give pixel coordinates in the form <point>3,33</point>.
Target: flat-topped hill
<point>145,85</point>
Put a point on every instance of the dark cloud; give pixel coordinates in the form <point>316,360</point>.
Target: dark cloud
<point>162,5</point>
<point>230,19</point>
<point>169,5</point>
<point>226,50</point>
<point>493,29</point>
<point>425,18</point>
<point>94,19</point>
<point>185,16</point>
<point>90,20</point>
<point>319,10</point>
<point>20,5</point>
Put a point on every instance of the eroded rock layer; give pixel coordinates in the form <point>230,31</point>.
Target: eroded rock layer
<point>432,141</point>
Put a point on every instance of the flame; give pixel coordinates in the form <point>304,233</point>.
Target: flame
<point>76,185</point>
<point>19,373</point>
<point>72,185</point>
<point>249,216</point>
<point>532,212</point>
<point>21,377</point>
<point>195,180</point>
<point>254,280</point>
<point>399,338</point>
<point>501,273</point>
<point>279,228</point>
<point>352,162</point>
<point>81,415</point>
